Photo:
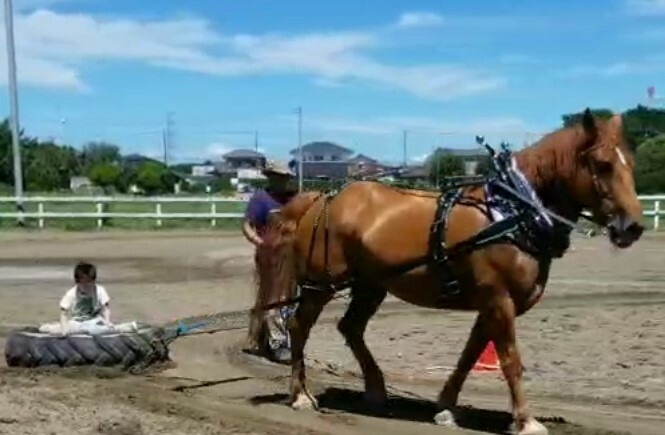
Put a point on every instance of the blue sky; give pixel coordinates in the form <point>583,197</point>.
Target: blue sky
<point>363,71</point>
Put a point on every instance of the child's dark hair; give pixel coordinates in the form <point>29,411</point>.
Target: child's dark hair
<point>83,269</point>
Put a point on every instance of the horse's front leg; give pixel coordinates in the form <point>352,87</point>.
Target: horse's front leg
<point>501,328</point>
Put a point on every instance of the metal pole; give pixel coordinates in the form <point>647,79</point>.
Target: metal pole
<point>13,96</point>
<point>404,140</point>
<point>256,141</point>
<point>300,163</point>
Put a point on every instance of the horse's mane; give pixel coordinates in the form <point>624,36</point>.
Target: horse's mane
<point>553,156</point>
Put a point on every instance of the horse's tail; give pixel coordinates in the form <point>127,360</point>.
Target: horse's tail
<point>276,260</point>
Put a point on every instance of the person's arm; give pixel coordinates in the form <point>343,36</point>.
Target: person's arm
<point>64,322</point>
<point>104,301</point>
<point>65,304</point>
<point>250,233</point>
<point>252,215</point>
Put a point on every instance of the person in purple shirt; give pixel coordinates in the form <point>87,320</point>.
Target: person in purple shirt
<point>267,330</point>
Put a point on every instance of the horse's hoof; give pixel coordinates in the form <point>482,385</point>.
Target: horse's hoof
<point>445,418</point>
<point>533,427</point>
<point>304,402</point>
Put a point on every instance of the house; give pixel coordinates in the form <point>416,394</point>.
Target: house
<point>79,183</point>
<point>363,165</point>
<point>322,151</point>
<point>323,160</point>
<point>202,170</point>
<point>241,163</point>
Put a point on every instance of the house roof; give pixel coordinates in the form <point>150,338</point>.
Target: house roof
<point>243,154</point>
<point>322,147</point>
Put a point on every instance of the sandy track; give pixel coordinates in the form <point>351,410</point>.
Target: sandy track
<point>593,349</point>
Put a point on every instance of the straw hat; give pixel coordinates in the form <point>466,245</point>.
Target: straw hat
<point>277,168</point>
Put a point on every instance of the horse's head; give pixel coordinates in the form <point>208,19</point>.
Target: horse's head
<point>605,182</point>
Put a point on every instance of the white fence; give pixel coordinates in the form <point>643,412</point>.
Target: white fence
<point>100,214</point>
<point>212,214</point>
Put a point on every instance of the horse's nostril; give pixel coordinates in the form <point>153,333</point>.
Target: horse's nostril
<point>635,229</point>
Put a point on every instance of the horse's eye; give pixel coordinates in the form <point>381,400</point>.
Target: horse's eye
<point>604,167</point>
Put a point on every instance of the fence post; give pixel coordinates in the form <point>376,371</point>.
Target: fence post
<point>158,211</point>
<point>40,210</point>
<point>100,210</point>
<point>213,211</point>
<point>656,215</point>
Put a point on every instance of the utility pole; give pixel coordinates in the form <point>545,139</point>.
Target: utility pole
<point>300,163</point>
<point>167,137</point>
<point>404,142</point>
<point>13,97</point>
<point>256,141</point>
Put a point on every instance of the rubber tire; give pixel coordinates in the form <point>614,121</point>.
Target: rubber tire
<point>30,348</point>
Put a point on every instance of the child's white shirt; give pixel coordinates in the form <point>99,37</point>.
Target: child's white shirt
<point>84,307</point>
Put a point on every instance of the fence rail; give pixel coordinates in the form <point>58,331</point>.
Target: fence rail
<point>100,214</point>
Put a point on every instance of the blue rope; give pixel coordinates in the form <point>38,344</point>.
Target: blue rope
<point>183,329</point>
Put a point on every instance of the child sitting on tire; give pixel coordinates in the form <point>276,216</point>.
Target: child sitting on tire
<point>86,301</point>
<point>84,309</point>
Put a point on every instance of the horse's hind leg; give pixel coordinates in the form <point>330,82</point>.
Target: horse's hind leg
<point>365,301</point>
<point>475,344</point>
<point>312,303</point>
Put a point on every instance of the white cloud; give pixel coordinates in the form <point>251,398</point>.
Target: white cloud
<point>646,7</point>
<point>648,66</point>
<point>419,19</point>
<point>53,50</point>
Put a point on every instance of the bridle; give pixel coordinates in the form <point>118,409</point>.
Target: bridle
<point>601,193</point>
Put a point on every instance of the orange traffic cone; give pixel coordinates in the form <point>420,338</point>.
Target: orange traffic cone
<point>488,361</point>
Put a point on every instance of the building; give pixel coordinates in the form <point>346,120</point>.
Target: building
<point>241,163</point>
<point>322,160</point>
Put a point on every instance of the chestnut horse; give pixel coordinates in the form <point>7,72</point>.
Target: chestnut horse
<point>377,239</point>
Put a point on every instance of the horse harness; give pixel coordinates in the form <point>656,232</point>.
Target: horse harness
<point>517,216</point>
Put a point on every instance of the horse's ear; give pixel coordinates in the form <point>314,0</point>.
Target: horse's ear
<point>589,123</point>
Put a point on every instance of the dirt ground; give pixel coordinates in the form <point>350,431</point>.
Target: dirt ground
<point>594,348</point>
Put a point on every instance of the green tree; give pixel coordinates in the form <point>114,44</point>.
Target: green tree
<point>94,153</point>
<point>154,178</point>
<point>106,175</point>
<point>48,166</point>
<point>642,123</point>
<point>639,123</point>
<point>442,165</point>
<point>650,166</point>
<point>571,119</point>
